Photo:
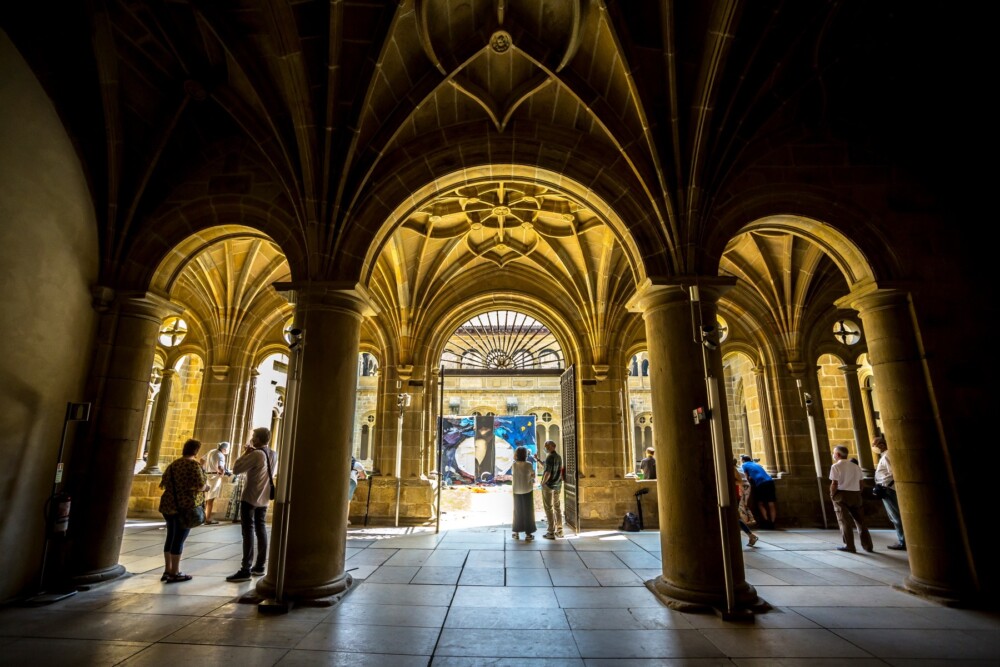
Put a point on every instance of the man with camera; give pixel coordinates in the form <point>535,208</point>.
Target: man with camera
<point>257,463</point>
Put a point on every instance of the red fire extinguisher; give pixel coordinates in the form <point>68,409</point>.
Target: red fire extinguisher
<point>60,514</point>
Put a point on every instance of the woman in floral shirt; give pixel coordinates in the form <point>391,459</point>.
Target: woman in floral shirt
<point>185,478</point>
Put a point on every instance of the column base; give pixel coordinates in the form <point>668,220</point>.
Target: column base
<point>98,576</point>
<point>948,597</point>
<point>323,595</point>
<point>699,601</point>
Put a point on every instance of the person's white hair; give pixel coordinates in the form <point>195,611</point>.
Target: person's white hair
<point>224,445</point>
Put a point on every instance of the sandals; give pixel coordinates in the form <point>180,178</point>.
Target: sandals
<point>175,578</point>
<point>213,522</point>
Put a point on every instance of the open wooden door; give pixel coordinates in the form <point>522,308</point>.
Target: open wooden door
<point>571,501</point>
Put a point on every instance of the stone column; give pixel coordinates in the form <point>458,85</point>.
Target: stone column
<point>105,463</point>
<point>800,460</point>
<point>147,414</point>
<point>217,405</point>
<point>767,437</point>
<point>250,395</point>
<point>320,420</point>
<point>159,423</point>
<point>859,425</point>
<point>936,537</point>
<point>690,540</point>
<point>866,393</point>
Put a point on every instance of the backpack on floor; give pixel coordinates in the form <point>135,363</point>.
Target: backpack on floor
<point>630,523</point>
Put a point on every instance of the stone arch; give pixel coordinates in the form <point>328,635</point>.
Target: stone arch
<point>447,322</point>
<point>184,232</point>
<point>371,244</point>
<point>851,236</point>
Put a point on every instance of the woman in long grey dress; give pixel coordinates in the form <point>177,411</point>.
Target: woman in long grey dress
<point>524,496</point>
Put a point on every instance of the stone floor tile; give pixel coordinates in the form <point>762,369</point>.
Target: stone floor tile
<point>353,638</point>
<point>603,559</point>
<point>450,661</point>
<point>437,575</point>
<point>409,557</point>
<point>167,655</point>
<point>419,616</point>
<point>406,594</point>
<point>467,642</point>
<point>505,598</point>
<point>626,597</point>
<point>387,574</point>
<point>523,559</point>
<point>68,652</point>
<point>528,577</point>
<point>482,576</point>
<point>783,643</point>
<point>616,577</point>
<point>511,618</point>
<point>644,644</point>
<point>577,576</point>
<point>926,644</point>
<point>486,558</point>
<point>837,596</point>
<point>297,658</point>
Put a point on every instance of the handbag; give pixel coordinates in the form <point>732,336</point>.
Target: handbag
<point>190,517</point>
<point>880,491</point>
<point>270,476</point>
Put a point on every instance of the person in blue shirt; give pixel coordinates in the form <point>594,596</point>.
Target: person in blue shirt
<point>762,492</point>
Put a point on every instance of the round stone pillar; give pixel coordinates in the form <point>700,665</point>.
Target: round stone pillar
<point>940,563</point>
<point>159,423</point>
<point>316,448</point>
<point>690,538</point>
<point>858,423</point>
<point>104,463</point>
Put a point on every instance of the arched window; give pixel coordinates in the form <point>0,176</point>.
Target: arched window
<point>503,340</point>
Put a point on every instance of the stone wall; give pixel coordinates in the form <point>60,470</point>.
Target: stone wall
<point>603,503</point>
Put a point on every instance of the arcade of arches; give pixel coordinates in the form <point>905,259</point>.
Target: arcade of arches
<point>206,208</point>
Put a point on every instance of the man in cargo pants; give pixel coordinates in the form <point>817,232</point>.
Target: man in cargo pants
<point>551,492</point>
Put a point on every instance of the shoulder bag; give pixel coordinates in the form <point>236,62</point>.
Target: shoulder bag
<point>270,476</point>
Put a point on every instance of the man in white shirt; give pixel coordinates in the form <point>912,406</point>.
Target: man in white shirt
<point>845,491</point>
<point>885,479</point>
<point>215,468</point>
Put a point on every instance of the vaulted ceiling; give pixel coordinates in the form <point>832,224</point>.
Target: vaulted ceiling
<point>310,115</point>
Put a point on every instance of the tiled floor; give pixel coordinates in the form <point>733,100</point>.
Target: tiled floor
<point>474,596</point>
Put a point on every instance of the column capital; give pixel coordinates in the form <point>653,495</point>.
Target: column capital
<point>873,298</point>
<point>849,368</point>
<point>339,296</point>
<point>146,305</point>
<point>658,292</point>
<point>798,369</point>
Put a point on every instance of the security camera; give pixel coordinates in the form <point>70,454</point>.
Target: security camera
<point>809,398</point>
<point>707,329</point>
<point>711,345</point>
<point>295,333</point>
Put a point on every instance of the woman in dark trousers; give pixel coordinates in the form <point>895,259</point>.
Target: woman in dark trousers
<point>184,485</point>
